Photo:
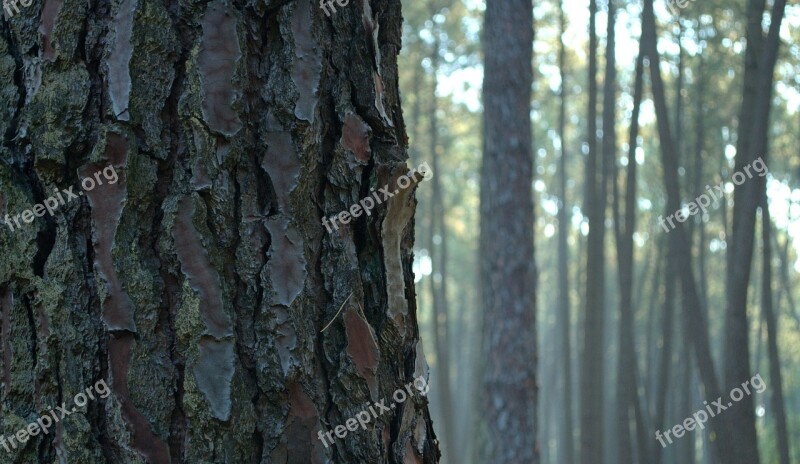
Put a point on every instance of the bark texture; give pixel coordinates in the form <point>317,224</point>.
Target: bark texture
<point>198,285</point>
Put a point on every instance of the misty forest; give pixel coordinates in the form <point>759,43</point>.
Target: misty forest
<point>637,109</point>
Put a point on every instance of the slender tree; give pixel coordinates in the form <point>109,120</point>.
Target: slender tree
<point>760,59</point>
<point>567,441</point>
<point>679,246</point>
<point>592,384</point>
<point>628,408</point>
<point>775,375</point>
<point>441,319</point>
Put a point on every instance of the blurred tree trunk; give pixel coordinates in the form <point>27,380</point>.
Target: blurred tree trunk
<point>664,379</point>
<point>199,282</point>
<point>783,257</point>
<point>651,356</point>
<point>609,149</point>
<point>683,407</point>
<point>566,440</point>
<point>699,179</point>
<point>441,319</point>
<point>506,238</point>
<point>628,412</point>
<point>680,248</point>
<point>760,59</point>
<point>775,375</point>
<point>592,383</point>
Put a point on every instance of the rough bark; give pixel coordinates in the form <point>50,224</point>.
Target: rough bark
<point>506,208</point>
<point>198,284</point>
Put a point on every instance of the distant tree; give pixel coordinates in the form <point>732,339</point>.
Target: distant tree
<point>506,236</point>
<point>438,286</point>
<point>629,410</point>
<point>567,440</point>
<point>592,383</point>
<point>760,58</point>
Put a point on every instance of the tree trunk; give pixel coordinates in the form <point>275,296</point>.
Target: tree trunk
<point>566,440</point>
<point>754,116</point>
<point>700,135</point>
<point>197,284</point>
<point>506,208</point>
<point>627,382</point>
<point>592,383</point>
<point>439,289</point>
<point>680,249</point>
<point>783,257</point>
<point>663,384</point>
<point>776,378</point>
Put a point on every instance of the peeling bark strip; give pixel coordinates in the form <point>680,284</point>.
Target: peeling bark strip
<point>286,264</point>
<point>307,64</point>
<point>219,52</point>
<point>372,28</point>
<point>119,77</point>
<point>400,210</point>
<point>302,423</point>
<point>197,268</point>
<point>143,440</point>
<point>355,137</point>
<point>50,10</point>
<point>362,348</point>
<point>216,362</point>
<point>214,373</point>
<point>107,205</point>
<point>282,163</point>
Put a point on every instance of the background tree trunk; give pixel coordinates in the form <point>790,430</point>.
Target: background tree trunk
<point>438,253</point>
<point>198,285</point>
<point>506,210</point>
<point>592,386</point>
<point>760,62</point>
<point>775,375</point>
<point>567,440</point>
<point>628,412</point>
<point>679,246</point>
